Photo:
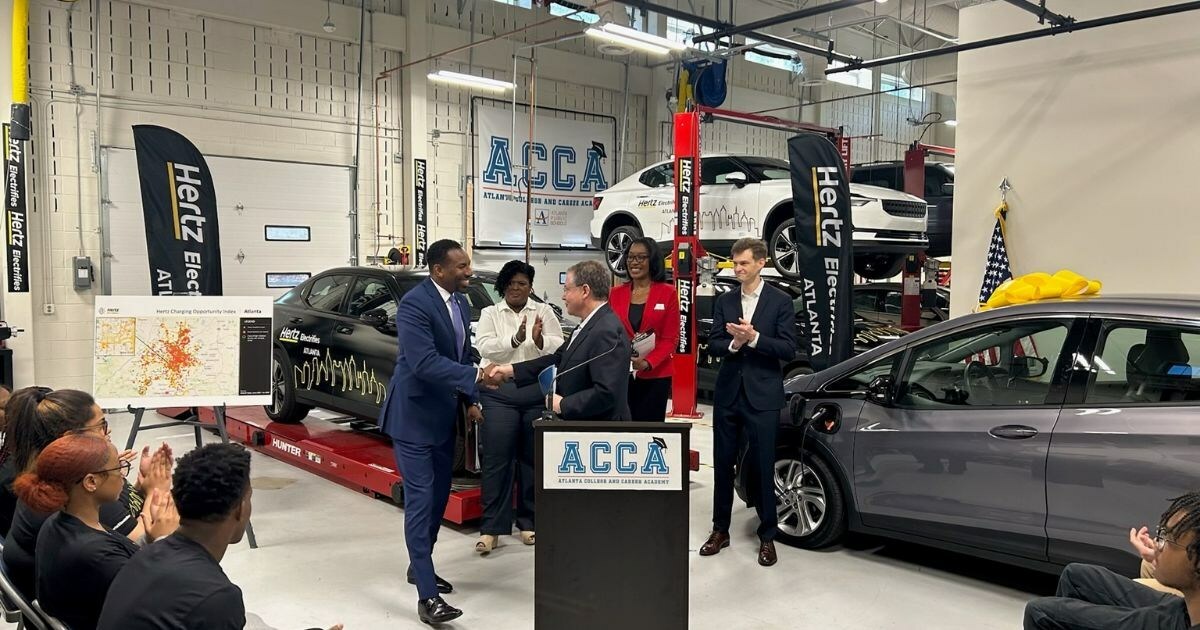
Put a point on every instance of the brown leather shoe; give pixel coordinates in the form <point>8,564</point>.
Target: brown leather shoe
<point>766,554</point>
<point>715,543</point>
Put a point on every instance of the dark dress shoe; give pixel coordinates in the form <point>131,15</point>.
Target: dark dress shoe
<point>766,554</point>
<point>715,543</point>
<point>435,610</point>
<point>443,586</point>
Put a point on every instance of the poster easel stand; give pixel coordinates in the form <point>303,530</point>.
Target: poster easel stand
<point>193,421</point>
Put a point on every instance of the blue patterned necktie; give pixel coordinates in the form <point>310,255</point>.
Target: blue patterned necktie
<point>460,333</point>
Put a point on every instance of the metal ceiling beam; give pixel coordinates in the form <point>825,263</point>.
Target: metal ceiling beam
<point>780,19</point>
<point>1020,37</point>
<point>1042,12</point>
<point>828,53</point>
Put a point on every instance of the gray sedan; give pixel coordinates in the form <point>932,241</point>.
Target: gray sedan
<point>1035,434</point>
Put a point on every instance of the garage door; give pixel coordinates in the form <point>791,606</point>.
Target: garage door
<point>280,222</point>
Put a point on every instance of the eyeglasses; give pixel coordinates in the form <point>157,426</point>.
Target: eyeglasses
<point>637,258</point>
<point>102,425</point>
<point>1162,538</point>
<point>124,467</point>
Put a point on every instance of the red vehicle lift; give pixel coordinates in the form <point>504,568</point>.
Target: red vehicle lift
<point>361,460</point>
<point>688,254</point>
<point>914,184</point>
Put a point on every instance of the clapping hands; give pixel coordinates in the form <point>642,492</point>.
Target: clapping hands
<point>742,332</point>
<point>154,470</point>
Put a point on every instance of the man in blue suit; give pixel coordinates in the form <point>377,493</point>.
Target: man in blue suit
<point>753,333</point>
<point>434,380</point>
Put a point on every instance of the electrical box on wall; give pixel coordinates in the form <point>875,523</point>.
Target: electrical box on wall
<point>83,272</point>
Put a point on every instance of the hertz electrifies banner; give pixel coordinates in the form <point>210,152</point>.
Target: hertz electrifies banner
<point>824,247</point>
<point>14,214</point>
<point>570,163</point>
<point>180,206</point>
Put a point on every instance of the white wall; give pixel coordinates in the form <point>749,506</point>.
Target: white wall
<point>1097,133</point>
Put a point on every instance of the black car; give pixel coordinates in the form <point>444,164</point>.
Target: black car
<point>939,193</point>
<point>335,338</point>
<point>868,333</point>
<point>880,301</point>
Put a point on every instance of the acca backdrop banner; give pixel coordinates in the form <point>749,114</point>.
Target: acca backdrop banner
<point>824,245</point>
<point>180,206</point>
<point>572,160</point>
<point>611,461</point>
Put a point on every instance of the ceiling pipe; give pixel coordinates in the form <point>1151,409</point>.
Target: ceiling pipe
<point>780,19</point>
<point>885,18</point>
<point>1020,37</point>
<point>1042,12</point>
<point>828,53</point>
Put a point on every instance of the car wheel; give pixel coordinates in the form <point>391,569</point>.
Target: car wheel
<point>811,508</point>
<point>615,243</point>
<point>799,370</point>
<point>283,407</point>
<point>784,254</point>
<point>879,266</point>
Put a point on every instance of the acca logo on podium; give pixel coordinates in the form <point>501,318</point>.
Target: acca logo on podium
<point>611,461</point>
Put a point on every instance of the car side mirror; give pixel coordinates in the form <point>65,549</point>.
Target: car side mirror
<point>880,390</point>
<point>376,318</point>
<point>737,179</point>
<point>1030,367</point>
<point>948,188</point>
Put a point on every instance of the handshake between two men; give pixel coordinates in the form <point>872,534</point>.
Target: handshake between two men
<point>496,374</point>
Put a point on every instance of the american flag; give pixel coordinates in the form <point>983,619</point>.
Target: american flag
<point>996,270</point>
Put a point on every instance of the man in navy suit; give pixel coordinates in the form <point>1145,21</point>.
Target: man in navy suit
<point>434,379</point>
<point>753,332</point>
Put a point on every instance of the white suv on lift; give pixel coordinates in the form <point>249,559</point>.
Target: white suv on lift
<point>752,196</point>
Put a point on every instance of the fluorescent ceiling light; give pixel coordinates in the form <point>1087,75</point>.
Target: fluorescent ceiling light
<point>952,122</point>
<point>654,40</point>
<point>627,41</point>
<point>470,80</point>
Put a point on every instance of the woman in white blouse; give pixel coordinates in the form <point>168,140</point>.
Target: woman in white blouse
<point>517,329</point>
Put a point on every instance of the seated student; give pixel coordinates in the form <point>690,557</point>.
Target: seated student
<point>178,583</point>
<point>77,557</point>
<point>36,416</point>
<point>1098,599</point>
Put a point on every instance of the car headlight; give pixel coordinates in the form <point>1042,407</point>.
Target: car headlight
<point>859,201</point>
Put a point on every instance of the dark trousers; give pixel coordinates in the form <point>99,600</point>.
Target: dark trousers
<point>1095,598</point>
<point>507,454</point>
<point>648,399</point>
<point>760,429</point>
<point>426,469</point>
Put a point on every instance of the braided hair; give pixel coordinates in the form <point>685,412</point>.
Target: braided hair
<point>61,465</point>
<point>1189,506</point>
<point>36,416</point>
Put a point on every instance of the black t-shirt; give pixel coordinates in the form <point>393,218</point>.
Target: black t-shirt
<point>173,584</point>
<point>22,537</point>
<point>75,566</point>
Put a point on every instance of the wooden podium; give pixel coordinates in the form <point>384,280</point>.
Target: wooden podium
<point>612,525</point>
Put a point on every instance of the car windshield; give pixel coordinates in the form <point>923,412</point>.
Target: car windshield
<point>767,168</point>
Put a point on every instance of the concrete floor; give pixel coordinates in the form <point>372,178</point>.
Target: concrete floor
<point>329,554</point>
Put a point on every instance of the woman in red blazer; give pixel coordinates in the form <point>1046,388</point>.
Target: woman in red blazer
<point>647,304</point>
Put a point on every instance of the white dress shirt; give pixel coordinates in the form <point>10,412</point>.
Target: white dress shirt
<point>499,323</point>
<point>749,305</point>
<point>584,323</point>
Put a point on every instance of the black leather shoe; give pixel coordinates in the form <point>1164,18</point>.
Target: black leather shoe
<point>715,543</point>
<point>766,554</point>
<point>443,586</point>
<point>435,610</point>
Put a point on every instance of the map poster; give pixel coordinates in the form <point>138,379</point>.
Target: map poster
<point>182,351</point>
